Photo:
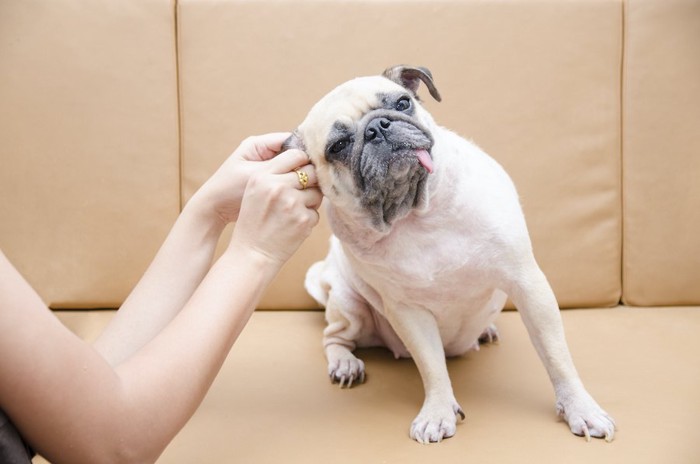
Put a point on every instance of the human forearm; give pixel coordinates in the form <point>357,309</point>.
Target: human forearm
<point>187,252</point>
<point>125,398</point>
<point>168,283</point>
<point>170,376</point>
<point>130,413</point>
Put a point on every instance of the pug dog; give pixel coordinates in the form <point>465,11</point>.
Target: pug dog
<point>429,240</point>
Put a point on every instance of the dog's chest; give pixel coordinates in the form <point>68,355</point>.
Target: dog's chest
<point>436,262</point>
<point>445,273</point>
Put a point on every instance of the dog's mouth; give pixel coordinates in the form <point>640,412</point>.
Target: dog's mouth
<point>392,164</point>
<point>425,160</point>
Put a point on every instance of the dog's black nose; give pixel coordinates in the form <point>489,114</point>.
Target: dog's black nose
<point>376,128</point>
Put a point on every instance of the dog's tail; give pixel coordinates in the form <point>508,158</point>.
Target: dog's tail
<point>315,283</point>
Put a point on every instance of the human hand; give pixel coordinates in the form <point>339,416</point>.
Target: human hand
<point>220,196</point>
<point>277,213</point>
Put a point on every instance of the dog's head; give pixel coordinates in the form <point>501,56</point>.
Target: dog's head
<point>370,140</point>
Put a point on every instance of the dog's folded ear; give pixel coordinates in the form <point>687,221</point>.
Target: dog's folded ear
<point>293,141</point>
<point>410,77</point>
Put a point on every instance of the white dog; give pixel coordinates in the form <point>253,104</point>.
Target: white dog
<point>429,240</point>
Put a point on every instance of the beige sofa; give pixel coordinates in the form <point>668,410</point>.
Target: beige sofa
<point>112,113</point>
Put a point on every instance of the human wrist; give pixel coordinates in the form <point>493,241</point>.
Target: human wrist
<point>202,209</point>
<point>257,259</point>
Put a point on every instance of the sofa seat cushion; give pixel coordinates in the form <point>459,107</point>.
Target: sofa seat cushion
<point>273,402</point>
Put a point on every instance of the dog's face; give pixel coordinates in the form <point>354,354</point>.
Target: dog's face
<point>370,141</point>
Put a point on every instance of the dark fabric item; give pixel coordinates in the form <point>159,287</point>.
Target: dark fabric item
<point>13,450</point>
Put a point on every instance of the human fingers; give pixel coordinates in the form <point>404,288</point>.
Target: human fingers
<point>303,177</point>
<point>287,161</point>
<point>312,198</point>
<point>262,147</point>
<point>275,217</point>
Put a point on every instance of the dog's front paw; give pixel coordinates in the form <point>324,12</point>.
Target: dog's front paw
<point>343,367</point>
<point>586,418</point>
<point>436,422</point>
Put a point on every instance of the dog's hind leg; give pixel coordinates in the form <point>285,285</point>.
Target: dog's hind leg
<point>489,335</point>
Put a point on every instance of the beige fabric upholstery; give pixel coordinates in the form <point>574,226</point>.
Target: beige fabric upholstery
<point>661,152</point>
<point>548,108</point>
<point>89,172</point>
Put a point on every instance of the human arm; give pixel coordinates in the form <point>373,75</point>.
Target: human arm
<point>187,252</point>
<point>73,406</point>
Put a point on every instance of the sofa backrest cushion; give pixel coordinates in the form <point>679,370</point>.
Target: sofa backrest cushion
<point>661,153</point>
<point>89,167</point>
<point>536,84</point>
<point>113,113</point>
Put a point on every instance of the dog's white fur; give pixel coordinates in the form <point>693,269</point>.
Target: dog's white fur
<point>435,281</point>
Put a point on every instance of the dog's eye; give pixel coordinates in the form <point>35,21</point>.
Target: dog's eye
<point>403,104</point>
<point>339,146</point>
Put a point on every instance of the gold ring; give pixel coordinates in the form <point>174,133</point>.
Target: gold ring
<point>303,178</point>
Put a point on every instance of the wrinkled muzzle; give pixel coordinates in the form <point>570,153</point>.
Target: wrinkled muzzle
<point>391,162</point>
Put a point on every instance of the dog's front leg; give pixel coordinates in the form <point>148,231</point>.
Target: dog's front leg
<point>347,318</point>
<point>419,332</point>
<point>538,307</point>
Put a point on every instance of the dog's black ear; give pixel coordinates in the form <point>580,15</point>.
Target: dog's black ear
<point>293,141</point>
<point>411,77</point>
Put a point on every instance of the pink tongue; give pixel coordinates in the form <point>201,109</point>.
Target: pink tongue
<point>425,160</point>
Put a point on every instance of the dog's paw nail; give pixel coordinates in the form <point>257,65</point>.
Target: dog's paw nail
<point>434,424</point>
<point>594,427</point>
<point>490,335</point>
<point>585,417</point>
<point>347,372</point>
